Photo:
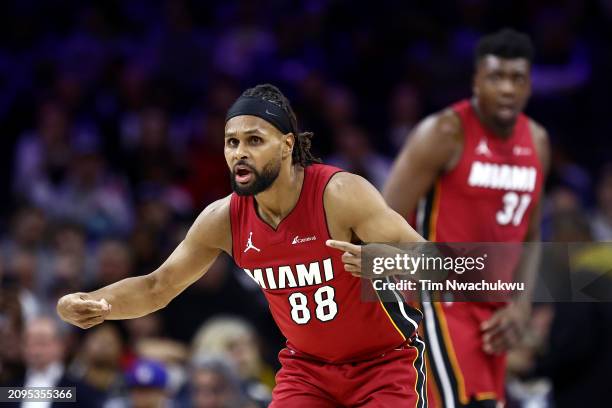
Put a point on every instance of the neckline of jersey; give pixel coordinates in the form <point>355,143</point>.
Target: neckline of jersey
<point>297,204</point>
<point>495,138</point>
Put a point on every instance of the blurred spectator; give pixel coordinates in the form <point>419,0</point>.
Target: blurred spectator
<point>159,205</point>
<point>146,381</point>
<point>159,213</point>
<point>355,154</point>
<point>68,240</point>
<point>23,268</point>
<point>235,339</point>
<point>602,219</point>
<point>223,290</point>
<point>564,61</point>
<point>524,391</point>
<point>245,46</point>
<point>577,364</point>
<point>29,228</point>
<point>221,95</point>
<point>214,384</point>
<point>89,194</point>
<point>97,363</point>
<point>339,108</point>
<point>405,112</point>
<point>43,156</point>
<point>559,200</point>
<point>113,262</point>
<point>312,96</point>
<point>566,173</point>
<point>65,276</point>
<point>208,174</point>
<point>156,173</point>
<point>142,328</point>
<point>11,327</point>
<point>172,354</point>
<point>149,155</point>
<point>147,248</point>
<point>43,354</point>
<point>571,226</point>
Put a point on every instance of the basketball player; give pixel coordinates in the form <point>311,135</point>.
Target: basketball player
<point>475,172</point>
<point>341,351</point>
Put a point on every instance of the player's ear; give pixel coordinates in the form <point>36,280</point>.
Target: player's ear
<point>475,84</point>
<point>288,145</point>
<point>529,83</point>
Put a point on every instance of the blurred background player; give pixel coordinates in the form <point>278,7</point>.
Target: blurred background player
<point>284,223</point>
<point>448,173</point>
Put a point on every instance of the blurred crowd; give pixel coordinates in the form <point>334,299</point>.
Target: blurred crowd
<point>112,117</point>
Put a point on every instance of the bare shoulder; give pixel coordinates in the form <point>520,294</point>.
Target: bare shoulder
<point>357,212</point>
<point>538,132</point>
<point>212,227</point>
<point>444,126</point>
<point>438,139</point>
<point>541,142</point>
<point>347,187</point>
<point>348,195</point>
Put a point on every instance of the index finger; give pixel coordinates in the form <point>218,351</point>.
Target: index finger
<point>93,305</point>
<point>343,246</point>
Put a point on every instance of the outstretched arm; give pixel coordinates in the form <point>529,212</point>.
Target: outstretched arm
<point>138,296</point>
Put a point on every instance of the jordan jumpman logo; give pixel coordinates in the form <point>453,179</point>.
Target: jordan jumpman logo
<point>250,243</point>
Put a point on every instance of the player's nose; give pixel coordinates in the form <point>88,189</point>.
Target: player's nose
<point>507,87</point>
<point>241,152</point>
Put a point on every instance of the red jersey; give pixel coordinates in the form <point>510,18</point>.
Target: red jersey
<point>491,192</point>
<point>316,304</point>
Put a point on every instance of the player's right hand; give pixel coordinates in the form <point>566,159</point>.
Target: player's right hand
<point>82,311</point>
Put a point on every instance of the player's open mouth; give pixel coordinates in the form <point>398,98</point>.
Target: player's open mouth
<point>507,109</point>
<point>243,174</point>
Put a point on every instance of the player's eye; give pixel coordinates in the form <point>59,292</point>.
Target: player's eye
<point>231,142</point>
<point>255,139</point>
<point>520,79</point>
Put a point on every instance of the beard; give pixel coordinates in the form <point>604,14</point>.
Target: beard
<point>260,181</point>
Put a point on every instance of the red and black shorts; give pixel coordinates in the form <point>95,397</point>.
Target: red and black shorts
<point>460,373</point>
<point>394,379</point>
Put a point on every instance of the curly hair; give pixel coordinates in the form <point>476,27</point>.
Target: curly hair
<point>303,140</point>
<point>505,43</point>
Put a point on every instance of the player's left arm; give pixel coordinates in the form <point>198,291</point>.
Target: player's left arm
<point>504,329</point>
<point>357,213</point>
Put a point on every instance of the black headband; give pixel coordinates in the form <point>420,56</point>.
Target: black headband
<point>268,111</point>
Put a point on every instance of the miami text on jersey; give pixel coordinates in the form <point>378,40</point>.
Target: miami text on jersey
<point>297,276</point>
<point>502,176</point>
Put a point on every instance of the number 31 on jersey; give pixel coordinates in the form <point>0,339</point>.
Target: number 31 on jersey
<point>514,207</point>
